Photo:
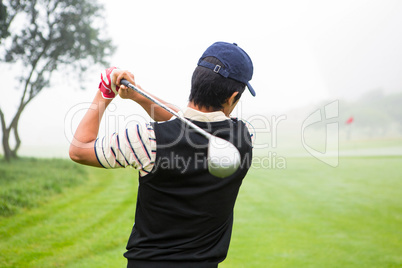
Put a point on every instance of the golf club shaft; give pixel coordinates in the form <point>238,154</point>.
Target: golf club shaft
<point>189,123</point>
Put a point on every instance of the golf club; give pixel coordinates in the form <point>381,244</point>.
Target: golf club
<point>223,156</point>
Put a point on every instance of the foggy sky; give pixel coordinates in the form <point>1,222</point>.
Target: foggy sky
<point>303,52</point>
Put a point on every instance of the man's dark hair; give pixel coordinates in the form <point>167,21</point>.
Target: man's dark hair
<point>211,90</point>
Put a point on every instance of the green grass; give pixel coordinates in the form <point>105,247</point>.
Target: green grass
<point>313,215</point>
<point>27,182</point>
<point>371,143</point>
<point>307,215</point>
<point>86,226</point>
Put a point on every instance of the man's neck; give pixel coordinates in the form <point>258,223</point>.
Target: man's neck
<point>201,108</point>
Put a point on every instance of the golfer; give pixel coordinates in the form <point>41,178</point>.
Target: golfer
<point>184,214</point>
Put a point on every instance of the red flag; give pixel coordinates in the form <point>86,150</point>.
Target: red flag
<point>349,121</point>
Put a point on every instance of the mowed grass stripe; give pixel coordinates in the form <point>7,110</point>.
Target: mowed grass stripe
<point>83,222</point>
<point>307,215</point>
<point>313,215</point>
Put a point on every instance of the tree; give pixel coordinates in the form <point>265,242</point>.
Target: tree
<point>392,105</point>
<point>51,34</point>
<point>7,15</point>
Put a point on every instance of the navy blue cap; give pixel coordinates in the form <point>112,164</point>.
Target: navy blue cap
<point>237,64</point>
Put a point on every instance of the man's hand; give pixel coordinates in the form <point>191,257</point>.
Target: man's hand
<point>107,85</point>
<point>125,92</point>
<point>157,113</point>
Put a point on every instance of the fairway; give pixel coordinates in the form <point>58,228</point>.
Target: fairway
<point>307,215</point>
<point>84,227</point>
<point>313,215</point>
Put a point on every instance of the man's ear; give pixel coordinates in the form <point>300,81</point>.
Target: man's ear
<point>231,100</point>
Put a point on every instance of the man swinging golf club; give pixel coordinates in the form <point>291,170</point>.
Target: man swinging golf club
<point>184,212</point>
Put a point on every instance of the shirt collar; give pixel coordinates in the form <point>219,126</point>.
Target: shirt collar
<point>204,117</point>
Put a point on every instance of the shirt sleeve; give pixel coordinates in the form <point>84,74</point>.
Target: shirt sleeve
<point>135,147</point>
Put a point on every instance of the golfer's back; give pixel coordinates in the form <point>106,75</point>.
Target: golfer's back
<point>184,215</point>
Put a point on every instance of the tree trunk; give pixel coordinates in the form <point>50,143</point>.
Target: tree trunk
<point>16,137</point>
<point>11,153</point>
<point>6,137</point>
<point>6,144</point>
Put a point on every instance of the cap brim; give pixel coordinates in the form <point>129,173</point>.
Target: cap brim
<point>250,88</point>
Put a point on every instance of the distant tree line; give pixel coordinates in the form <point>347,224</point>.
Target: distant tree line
<point>373,114</point>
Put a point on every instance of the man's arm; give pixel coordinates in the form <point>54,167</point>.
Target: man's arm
<point>155,111</point>
<point>82,147</point>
